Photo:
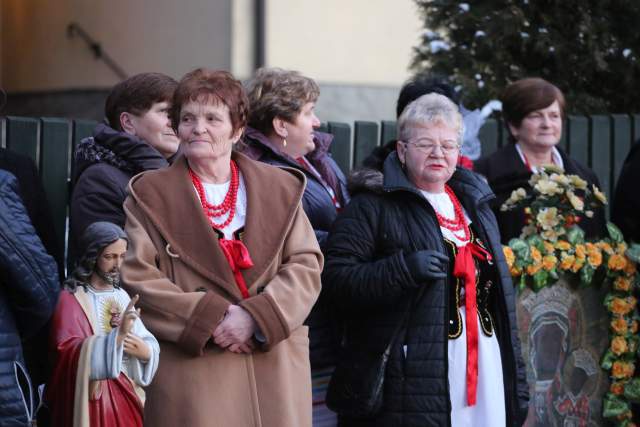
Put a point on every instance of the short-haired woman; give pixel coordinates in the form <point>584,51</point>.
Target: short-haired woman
<point>533,110</point>
<point>227,269</point>
<point>282,132</point>
<point>416,261</point>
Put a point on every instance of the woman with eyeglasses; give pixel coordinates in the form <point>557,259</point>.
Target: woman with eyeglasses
<point>415,263</point>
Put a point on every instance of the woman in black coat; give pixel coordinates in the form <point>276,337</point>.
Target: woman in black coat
<point>533,109</point>
<point>281,132</point>
<point>420,238</point>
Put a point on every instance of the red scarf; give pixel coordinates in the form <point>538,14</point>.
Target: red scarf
<point>238,258</point>
<point>465,269</point>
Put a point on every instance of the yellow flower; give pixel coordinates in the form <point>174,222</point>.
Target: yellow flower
<point>622,284</point>
<point>575,201</point>
<point>552,235</point>
<point>580,252</point>
<point>621,248</point>
<point>515,271</point>
<point>622,369</point>
<point>536,255</point>
<point>619,325</point>
<point>595,259</point>
<point>548,247</point>
<point>549,262</point>
<point>509,255</point>
<point>567,261</point>
<point>605,247</point>
<point>599,194</point>
<point>560,179</point>
<point>517,195</point>
<point>619,345</point>
<point>548,188</point>
<point>578,182</point>
<point>563,245</point>
<point>548,218</point>
<point>617,262</point>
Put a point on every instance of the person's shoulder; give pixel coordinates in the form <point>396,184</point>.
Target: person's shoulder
<point>574,166</point>
<point>101,176</point>
<point>493,160</point>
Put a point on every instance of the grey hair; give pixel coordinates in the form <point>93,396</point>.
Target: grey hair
<point>431,108</point>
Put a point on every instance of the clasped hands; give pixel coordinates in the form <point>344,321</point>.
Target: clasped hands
<point>133,344</point>
<point>235,331</point>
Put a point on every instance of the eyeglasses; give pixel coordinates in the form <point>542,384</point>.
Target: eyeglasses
<point>425,147</point>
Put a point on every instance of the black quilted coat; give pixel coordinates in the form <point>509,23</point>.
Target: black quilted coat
<point>28,294</point>
<point>366,278</point>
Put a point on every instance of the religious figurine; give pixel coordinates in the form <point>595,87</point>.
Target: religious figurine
<point>103,355</point>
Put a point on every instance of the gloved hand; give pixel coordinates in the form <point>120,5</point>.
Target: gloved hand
<point>427,265</point>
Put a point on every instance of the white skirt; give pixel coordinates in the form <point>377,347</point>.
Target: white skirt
<point>489,409</point>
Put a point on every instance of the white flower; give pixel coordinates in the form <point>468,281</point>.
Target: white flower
<point>576,202</point>
<point>548,218</point>
<point>626,52</point>
<point>548,188</point>
<point>438,45</point>
<point>480,33</point>
<point>599,194</point>
<point>464,7</point>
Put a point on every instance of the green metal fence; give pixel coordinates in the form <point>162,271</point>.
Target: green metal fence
<point>601,142</point>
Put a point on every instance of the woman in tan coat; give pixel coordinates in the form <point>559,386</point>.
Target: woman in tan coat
<point>227,268</point>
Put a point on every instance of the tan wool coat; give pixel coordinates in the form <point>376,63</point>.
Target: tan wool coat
<point>185,285</point>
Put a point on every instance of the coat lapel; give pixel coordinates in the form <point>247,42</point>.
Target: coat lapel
<point>273,197</point>
<point>170,202</point>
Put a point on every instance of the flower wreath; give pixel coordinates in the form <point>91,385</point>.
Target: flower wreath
<point>553,244</point>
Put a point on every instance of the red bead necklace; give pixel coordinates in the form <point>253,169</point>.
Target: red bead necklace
<point>228,205</point>
<point>458,223</point>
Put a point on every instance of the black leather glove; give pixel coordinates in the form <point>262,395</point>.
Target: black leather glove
<point>427,265</point>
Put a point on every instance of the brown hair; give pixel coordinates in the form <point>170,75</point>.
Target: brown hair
<point>213,86</point>
<point>526,95</point>
<point>136,95</point>
<point>274,92</point>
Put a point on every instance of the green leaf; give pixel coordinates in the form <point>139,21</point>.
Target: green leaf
<point>614,406</point>
<point>607,360</point>
<point>632,390</point>
<point>540,280</point>
<point>586,275</point>
<point>536,241</point>
<point>633,252</point>
<point>518,244</point>
<point>614,233</point>
<point>575,235</point>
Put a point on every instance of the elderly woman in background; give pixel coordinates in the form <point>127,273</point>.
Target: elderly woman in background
<point>227,269</point>
<point>415,260</point>
<point>281,132</point>
<point>533,110</point>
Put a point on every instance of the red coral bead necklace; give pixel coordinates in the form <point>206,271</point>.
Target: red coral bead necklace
<point>228,205</point>
<point>458,223</point>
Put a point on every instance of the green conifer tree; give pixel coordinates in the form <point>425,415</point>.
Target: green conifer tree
<point>589,48</point>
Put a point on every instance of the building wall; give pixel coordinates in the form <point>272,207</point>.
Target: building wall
<point>141,35</point>
<point>358,50</point>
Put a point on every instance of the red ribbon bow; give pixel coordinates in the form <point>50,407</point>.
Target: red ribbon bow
<point>238,258</point>
<point>465,269</point>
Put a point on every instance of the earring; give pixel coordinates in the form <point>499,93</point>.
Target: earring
<point>284,142</point>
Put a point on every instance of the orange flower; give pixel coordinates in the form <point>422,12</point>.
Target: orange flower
<point>620,306</point>
<point>621,248</point>
<point>619,325</point>
<point>617,262</point>
<point>548,247</point>
<point>563,245</point>
<point>577,265</point>
<point>549,262</point>
<point>619,346</point>
<point>617,388</point>
<point>622,284</point>
<point>590,247</point>
<point>567,261</point>
<point>515,271</point>
<point>536,255</point>
<point>595,259</point>
<point>533,269</point>
<point>580,252</point>
<point>634,327</point>
<point>509,255</point>
<point>622,369</point>
<point>630,268</point>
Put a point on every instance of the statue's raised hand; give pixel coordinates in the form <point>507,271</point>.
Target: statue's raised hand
<point>127,320</point>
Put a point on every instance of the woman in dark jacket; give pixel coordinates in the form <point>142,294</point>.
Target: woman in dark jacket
<point>533,109</point>
<point>28,294</point>
<point>282,132</point>
<point>421,238</point>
